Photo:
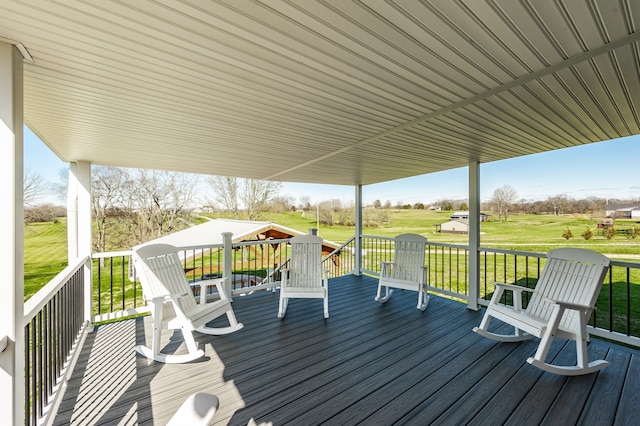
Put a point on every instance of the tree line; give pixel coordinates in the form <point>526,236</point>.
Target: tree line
<point>132,206</point>
<point>505,201</point>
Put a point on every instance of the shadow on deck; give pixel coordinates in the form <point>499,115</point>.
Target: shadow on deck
<point>379,364</point>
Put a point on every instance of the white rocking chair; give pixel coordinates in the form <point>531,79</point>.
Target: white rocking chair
<point>173,305</point>
<point>560,306</point>
<point>407,271</point>
<point>304,278</point>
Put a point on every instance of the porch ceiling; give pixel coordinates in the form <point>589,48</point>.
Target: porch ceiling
<point>334,91</point>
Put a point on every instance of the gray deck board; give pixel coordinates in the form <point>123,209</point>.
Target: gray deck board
<point>367,363</point>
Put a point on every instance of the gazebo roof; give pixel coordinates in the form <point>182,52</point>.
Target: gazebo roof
<point>210,233</point>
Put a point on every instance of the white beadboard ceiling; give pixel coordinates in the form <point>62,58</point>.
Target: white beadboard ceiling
<point>326,91</point>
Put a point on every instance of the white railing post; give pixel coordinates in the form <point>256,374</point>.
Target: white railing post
<point>474,234</point>
<point>227,262</point>
<point>12,232</point>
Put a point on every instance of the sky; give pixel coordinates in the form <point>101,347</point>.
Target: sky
<point>604,169</point>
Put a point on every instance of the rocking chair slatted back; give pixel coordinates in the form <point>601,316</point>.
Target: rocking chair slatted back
<point>566,279</point>
<point>408,258</point>
<point>304,278</point>
<point>407,271</point>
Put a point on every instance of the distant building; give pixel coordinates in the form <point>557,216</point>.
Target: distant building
<point>465,216</point>
<point>456,226</point>
<point>622,210</point>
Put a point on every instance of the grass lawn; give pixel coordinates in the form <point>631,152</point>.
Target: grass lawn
<point>45,254</point>
<point>535,233</point>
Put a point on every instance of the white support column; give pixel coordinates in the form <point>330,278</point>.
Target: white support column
<point>72,213</point>
<point>474,234</point>
<point>227,262</point>
<point>83,179</point>
<point>82,175</point>
<point>12,232</point>
<point>358,230</point>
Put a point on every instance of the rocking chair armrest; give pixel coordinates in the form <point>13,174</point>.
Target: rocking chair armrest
<point>515,288</point>
<point>167,297</point>
<point>385,266</point>
<point>517,293</point>
<point>205,283</point>
<point>569,305</point>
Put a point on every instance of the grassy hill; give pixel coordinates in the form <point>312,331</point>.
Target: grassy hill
<point>45,253</point>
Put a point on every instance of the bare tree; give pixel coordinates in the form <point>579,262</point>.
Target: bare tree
<point>107,187</point>
<point>158,202</point>
<point>325,212</point>
<point>502,200</point>
<point>281,204</point>
<point>523,204</point>
<point>558,203</point>
<point>227,193</point>
<point>254,195</point>
<point>305,203</point>
<point>44,213</point>
<point>34,187</point>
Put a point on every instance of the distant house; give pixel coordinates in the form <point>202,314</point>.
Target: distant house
<point>622,210</point>
<point>465,216</point>
<point>456,226</point>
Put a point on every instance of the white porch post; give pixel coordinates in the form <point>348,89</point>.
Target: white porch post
<point>358,208</point>
<point>12,231</point>
<point>72,213</point>
<point>474,234</point>
<point>80,177</point>
<point>227,262</point>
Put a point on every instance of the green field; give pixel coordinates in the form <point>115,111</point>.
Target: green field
<point>45,254</point>
<point>46,243</point>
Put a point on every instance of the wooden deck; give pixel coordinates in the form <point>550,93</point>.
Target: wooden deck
<point>379,364</point>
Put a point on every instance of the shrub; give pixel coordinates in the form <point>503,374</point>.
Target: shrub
<point>567,234</point>
<point>634,232</point>
<point>609,233</point>
<point>587,234</point>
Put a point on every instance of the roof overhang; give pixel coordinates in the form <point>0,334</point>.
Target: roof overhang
<point>335,92</point>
